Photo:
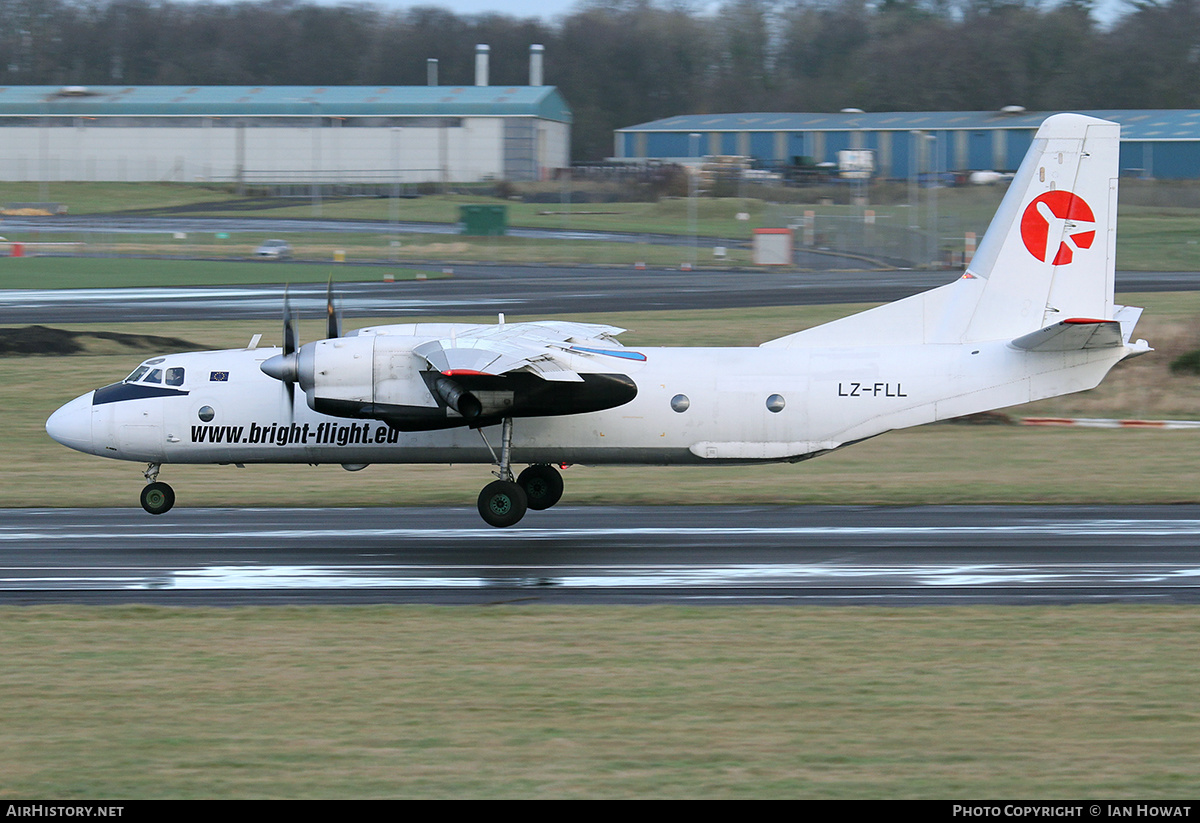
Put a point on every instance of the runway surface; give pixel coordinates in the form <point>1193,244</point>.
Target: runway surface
<point>524,291</point>
<point>573,555</point>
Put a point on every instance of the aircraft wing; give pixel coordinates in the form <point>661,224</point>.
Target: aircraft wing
<point>550,350</point>
<point>1073,334</point>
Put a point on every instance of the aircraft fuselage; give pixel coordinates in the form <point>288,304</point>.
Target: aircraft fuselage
<point>693,405</point>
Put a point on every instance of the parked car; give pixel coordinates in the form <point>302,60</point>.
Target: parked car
<point>274,250</point>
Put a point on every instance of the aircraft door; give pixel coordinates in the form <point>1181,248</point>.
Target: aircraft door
<point>139,430</point>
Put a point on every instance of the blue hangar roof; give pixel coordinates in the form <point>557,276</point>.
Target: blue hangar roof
<point>288,101</point>
<point>1136,124</point>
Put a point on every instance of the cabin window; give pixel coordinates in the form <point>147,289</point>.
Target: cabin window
<point>206,413</point>
<point>775,403</point>
<point>680,403</point>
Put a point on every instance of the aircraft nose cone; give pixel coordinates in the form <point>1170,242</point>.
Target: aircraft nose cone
<point>71,425</point>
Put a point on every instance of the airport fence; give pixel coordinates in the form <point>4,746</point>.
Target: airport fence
<point>892,238</point>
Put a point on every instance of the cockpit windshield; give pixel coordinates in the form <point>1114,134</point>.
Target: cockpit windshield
<point>145,374</point>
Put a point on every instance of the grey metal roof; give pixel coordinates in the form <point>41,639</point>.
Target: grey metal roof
<point>294,101</point>
<point>1136,124</point>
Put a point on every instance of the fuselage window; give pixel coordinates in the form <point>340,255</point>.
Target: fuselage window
<point>137,374</point>
<point>175,376</point>
<point>154,376</point>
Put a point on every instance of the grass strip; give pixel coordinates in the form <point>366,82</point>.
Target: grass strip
<point>662,702</point>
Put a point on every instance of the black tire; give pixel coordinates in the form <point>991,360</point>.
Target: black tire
<point>502,503</point>
<point>543,486</point>
<point>158,498</point>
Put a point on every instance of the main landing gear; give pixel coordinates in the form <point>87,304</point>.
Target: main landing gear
<point>504,502</point>
<point>157,498</point>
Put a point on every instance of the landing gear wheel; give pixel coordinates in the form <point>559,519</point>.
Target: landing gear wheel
<point>502,503</point>
<point>158,498</point>
<point>543,486</point>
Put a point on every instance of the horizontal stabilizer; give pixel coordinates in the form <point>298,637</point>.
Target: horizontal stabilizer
<point>1073,334</point>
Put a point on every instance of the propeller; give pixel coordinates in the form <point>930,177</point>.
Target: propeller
<point>333,314</point>
<point>290,344</point>
<point>289,326</point>
<point>286,367</point>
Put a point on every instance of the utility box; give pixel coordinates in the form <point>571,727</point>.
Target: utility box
<point>479,220</point>
<point>772,247</point>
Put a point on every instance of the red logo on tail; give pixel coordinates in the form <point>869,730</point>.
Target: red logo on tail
<point>1060,215</point>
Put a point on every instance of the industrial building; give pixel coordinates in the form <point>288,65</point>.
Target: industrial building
<point>1154,143</point>
<point>287,134</point>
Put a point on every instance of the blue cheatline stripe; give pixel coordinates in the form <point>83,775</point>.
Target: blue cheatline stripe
<point>624,354</point>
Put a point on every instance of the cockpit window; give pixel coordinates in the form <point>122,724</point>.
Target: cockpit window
<point>144,374</point>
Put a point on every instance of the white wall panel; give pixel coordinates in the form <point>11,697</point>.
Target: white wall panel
<point>471,151</point>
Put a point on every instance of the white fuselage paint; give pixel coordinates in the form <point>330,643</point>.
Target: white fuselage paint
<point>832,397</point>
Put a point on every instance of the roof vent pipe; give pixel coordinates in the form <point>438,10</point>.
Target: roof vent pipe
<point>431,67</point>
<point>481,64</point>
<point>536,53</point>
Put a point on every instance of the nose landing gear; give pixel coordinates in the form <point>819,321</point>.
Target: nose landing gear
<point>157,498</point>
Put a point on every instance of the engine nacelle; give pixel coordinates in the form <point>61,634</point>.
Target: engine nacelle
<point>379,377</point>
<point>340,369</point>
<point>374,377</point>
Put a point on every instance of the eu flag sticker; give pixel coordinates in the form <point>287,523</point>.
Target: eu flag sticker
<point>218,377</point>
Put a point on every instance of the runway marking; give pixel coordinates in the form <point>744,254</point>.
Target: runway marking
<point>820,575</point>
<point>1096,528</point>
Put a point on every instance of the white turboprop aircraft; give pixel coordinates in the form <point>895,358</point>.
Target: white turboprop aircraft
<point>1032,317</point>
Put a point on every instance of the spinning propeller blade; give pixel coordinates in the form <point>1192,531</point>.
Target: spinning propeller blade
<point>333,314</point>
<point>289,326</point>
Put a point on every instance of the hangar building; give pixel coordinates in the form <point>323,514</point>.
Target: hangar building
<point>286,134</point>
<point>1158,143</point>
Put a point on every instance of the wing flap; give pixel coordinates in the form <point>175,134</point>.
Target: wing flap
<point>550,350</point>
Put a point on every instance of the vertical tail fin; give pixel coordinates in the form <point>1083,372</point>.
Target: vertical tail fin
<point>1048,256</point>
<point>1049,253</point>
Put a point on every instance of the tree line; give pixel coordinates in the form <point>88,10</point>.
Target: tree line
<point>622,62</point>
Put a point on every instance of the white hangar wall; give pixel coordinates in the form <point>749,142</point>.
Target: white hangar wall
<point>206,149</point>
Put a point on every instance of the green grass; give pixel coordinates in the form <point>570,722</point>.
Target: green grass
<point>654,702</point>
<point>104,198</point>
